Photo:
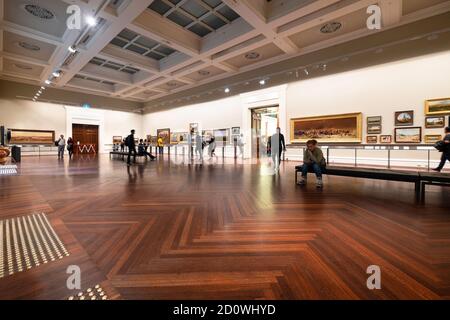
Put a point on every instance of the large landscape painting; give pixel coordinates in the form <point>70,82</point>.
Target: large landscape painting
<point>344,128</point>
<point>23,136</point>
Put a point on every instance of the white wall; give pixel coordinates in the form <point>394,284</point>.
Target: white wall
<point>22,114</point>
<point>219,114</point>
<point>375,91</point>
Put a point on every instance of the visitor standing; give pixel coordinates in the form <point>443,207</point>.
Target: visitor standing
<point>212,148</point>
<point>277,146</point>
<point>160,145</point>
<point>131,144</point>
<point>70,146</point>
<point>61,143</point>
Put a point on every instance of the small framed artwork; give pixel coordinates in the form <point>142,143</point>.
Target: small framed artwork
<point>164,134</point>
<point>372,139</point>
<point>404,118</point>
<point>373,128</point>
<point>437,106</point>
<point>386,139</point>
<point>435,122</point>
<point>408,135</point>
<point>432,138</point>
<point>235,131</point>
<point>193,127</point>
<point>117,139</point>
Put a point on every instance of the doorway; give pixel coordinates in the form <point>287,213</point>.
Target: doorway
<point>85,137</point>
<point>264,124</point>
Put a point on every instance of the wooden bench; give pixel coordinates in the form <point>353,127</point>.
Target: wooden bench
<point>379,174</point>
<point>432,178</point>
<point>123,154</point>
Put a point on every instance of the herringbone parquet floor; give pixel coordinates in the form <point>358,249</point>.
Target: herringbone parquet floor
<point>228,231</point>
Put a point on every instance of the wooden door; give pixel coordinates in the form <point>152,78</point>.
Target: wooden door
<point>84,134</point>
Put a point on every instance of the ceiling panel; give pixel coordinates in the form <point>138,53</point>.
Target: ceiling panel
<point>27,46</point>
<point>257,55</point>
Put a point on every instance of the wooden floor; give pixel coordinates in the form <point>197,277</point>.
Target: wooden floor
<point>165,230</point>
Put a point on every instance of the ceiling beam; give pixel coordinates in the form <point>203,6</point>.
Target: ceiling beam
<point>255,16</point>
<point>104,37</point>
<point>151,25</point>
<point>391,11</point>
<point>127,57</point>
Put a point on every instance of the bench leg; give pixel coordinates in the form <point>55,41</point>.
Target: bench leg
<point>417,189</point>
<point>422,191</point>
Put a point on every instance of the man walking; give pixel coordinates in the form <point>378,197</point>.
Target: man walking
<point>445,150</point>
<point>61,146</point>
<point>277,146</point>
<point>130,143</point>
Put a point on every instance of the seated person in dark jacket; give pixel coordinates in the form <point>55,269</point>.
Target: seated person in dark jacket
<point>313,159</point>
<point>143,152</point>
<point>446,151</point>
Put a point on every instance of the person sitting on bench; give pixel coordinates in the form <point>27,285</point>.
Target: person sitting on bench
<point>142,152</point>
<point>313,159</point>
<point>445,150</point>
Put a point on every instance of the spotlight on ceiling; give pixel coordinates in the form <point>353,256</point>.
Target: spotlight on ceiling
<point>42,88</point>
<point>48,82</point>
<point>91,21</point>
<point>227,90</point>
<point>306,72</point>
<point>72,49</point>
<point>56,74</point>
<point>262,82</point>
<point>324,67</point>
<point>34,100</point>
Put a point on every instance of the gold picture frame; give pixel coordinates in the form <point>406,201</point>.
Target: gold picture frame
<point>32,137</point>
<point>432,138</point>
<point>437,106</point>
<point>349,124</point>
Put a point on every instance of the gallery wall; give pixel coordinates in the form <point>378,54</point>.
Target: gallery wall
<point>376,91</point>
<point>23,114</point>
<point>224,113</point>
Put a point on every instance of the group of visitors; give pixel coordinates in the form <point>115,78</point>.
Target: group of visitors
<point>130,143</point>
<point>61,144</point>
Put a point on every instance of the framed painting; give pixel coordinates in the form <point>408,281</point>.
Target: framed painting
<point>372,139</point>
<point>343,128</point>
<point>437,106</point>
<point>222,135</point>
<point>117,139</point>
<point>235,131</point>
<point>404,118</point>
<point>386,139</point>
<point>374,125</point>
<point>164,134</point>
<point>408,135</point>
<point>193,127</point>
<point>435,122</point>
<point>432,138</point>
<point>183,137</point>
<point>153,140</point>
<point>174,138</point>
<point>25,136</point>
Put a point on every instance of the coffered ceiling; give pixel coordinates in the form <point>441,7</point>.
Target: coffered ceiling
<point>149,51</point>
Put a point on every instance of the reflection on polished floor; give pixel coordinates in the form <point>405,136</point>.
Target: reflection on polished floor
<point>166,230</point>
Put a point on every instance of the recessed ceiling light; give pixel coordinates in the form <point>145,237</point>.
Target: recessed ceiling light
<point>56,74</point>
<point>91,21</point>
<point>306,72</point>
<point>262,82</point>
<point>39,12</point>
<point>34,100</point>
<point>43,88</point>
<point>227,90</point>
<point>47,82</point>
<point>29,46</point>
<point>72,49</point>
<point>252,55</point>
<point>204,73</point>
<point>331,27</point>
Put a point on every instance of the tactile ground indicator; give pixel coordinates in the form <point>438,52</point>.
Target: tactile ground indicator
<point>8,170</point>
<point>95,293</point>
<point>27,242</point>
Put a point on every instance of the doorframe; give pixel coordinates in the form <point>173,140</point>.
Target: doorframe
<point>259,99</point>
<point>76,115</point>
